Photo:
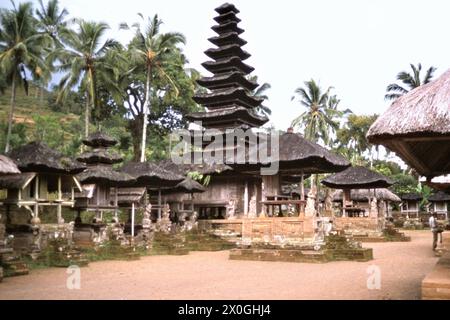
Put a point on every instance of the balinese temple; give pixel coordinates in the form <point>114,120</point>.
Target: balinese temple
<point>357,177</point>
<point>47,181</point>
<point>241,190</point>
<point>229,106</point>
<point>100,178</point>
<point>154,179</point>
<point>410,206</point>
<point>362,198</point>
<point>440,204</point>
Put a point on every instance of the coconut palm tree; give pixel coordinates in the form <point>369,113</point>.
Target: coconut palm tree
<point>260,92</point>
<point>21,48</point>
<point>320,117</point>
<point>52,19</point>
<point>409,81</point>
<point>81,60</point>
<point>153,51</point>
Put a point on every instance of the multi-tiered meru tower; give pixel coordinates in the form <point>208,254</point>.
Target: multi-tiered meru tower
<point>230,103</point>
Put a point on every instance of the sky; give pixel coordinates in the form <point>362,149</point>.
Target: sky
<point>355,46</point>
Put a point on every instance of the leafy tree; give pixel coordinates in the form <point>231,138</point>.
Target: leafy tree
<point>321,115</point>
<point>260,92</point>
<point>153,52</point>
<point>82,62</point>
<point>21,48</point>
<point>408,81</point>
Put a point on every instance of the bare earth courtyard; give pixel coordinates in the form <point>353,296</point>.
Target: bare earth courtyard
<point>210,275</point>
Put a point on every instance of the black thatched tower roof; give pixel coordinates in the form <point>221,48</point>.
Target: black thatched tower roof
<point>411,196</point>
<point>357,178</point>
<point>298,155</point>
<point>7,166</point>
<point>188,185</point>
<point>439,196</point>
<point>99,139</point>
<point>150,175</point>
<point>417,127</point>
<point>228,100</point>
<point>100,161</point>
<point>38,157</point>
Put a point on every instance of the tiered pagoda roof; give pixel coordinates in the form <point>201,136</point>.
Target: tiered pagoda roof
<point>229,101</point>
<point>100,161</point>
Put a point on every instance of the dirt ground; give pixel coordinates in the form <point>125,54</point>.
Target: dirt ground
<point>210,275</point>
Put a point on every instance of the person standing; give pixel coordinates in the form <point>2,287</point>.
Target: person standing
<point>434,229</point>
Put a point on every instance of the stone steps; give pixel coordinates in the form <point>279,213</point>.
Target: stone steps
<point>13,266</point>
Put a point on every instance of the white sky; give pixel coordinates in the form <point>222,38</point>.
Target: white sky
<point>356,46</point>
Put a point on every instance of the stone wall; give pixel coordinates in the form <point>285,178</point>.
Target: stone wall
<point>358,225</point>
<point>269,229</point>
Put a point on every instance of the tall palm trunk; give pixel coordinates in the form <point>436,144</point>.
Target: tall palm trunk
<point>11,112</point>
<point>146,111</point>
<point>86,116</point>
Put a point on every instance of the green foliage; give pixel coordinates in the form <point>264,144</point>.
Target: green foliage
<point>321,116</point>
<point>403,184</point>
<point>197,176</point>
<point>409,81</point>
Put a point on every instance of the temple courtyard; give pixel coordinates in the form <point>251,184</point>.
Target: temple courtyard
<point>210,275</point>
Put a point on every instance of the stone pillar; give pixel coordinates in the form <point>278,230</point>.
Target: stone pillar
<point>246,199</point>
<point>310,210</point>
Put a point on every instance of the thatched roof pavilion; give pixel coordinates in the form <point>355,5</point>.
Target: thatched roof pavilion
<point>357,178</point>
<point>38,157</point>
<point>16,181</point>
<point>439,196</point>
<point>417,127</point>
<point>297,155</point>
<point>105,175</point>
<point>7,166</point>
<point>365,195</point>
<point>151,175</point>
<point>188,185</point>
<point>411,196</point>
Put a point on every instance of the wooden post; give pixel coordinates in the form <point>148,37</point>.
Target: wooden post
<point>59,209</point>
<point>159,203</point>
<point>246,198</point>
<point>263,198</point>
<point>116,201</point>
<point>132,220</point>
<point>59,188</point>
<point>344,201</point>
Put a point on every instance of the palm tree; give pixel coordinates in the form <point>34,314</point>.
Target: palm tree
<point>81,60</point>
<point>260,93</point>
<point>52,20</point>
<point>21,49</point>
<point>410,81</point>
<point>153,52</point>
<point>319,119</point>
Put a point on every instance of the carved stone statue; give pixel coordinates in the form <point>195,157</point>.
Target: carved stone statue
<point>146,221</point>
<point>310,209</point>
<point>373,213</point>
<point>231,209</point>
<point>192,222</point>
<point>165,225</point>
<point>252,207</point>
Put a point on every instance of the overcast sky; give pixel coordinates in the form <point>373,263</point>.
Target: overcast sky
<point>356,46</point>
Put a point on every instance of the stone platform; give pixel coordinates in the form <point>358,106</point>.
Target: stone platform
<point>336,248</point>
<point>436,285</point>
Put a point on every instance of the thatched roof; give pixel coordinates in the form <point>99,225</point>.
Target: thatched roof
<point>188,185</point>
<point>129,195</point>
<point>357,178</point>
<point>151,175</point>
<point>364,194</point>
<point>100,156</point>
<point>417,127</point>
<point>441,183</point>
<point>439,196</point>
<point>99,139</point>
<point>16,181</point>
<point>38,157</point>
<point>411,197</point>
<point>204,168</point>
<point>105,175</point>
<point>7,166</point>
